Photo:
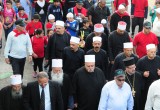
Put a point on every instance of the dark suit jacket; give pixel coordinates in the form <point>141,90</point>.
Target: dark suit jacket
<point>32,96</point>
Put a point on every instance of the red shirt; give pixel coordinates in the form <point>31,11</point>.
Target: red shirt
<point>38,45</point>
<point>24,16</point>
<point>32,26</point>
<point>51,26</point>
<point>141,40</point>
<point>120,2</point>
<point>139,8</point>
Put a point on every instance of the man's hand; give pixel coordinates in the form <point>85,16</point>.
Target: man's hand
<point>35,55</point>
<point>158,72</point>
<point>112,62</point>
<point>146,74</point>
<point>132,16</point>
<point>7,60</point>
<point>30,58</point>
<point>5,27</point>
<point>9,25</point>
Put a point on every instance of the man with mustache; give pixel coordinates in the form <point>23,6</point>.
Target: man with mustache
<point>87,83</point>
<point>11,96</point>
<point>100,55</point>
<point>73,57</point>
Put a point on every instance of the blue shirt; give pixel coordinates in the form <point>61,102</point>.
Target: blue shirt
<point>72,28</point>
<point>17,47</point>
<point>115,98</point>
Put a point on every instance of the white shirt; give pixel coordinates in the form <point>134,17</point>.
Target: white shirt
<point>156,27</point>
<point>115,98</point>
<point>153,98</point>
<point>47,96</point>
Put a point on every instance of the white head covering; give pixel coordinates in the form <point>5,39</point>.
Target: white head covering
<point>150,46</point>
<point>16,79</point>
<point>75,39</point>
<point>158,10</point>
<point>70,15</point>
<point>59,23</point>
<point>98,28</point>
<point>97,38</point>
<point>103,21</point>
<point>51,16</point>
<point>57,63</point>
<point>121,7</point>
<point>128,45</point>
<point>121,25</point>
<point>89,58</point>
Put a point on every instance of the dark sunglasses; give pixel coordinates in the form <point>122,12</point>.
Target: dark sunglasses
<point>120,80</point>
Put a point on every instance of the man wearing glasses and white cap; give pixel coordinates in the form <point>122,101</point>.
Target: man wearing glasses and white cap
<point>116,94</point>
<point>11,97</point>
<point>88,82</point>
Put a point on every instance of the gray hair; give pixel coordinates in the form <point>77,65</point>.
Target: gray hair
<point>102,1</point>
<point>42,75</point>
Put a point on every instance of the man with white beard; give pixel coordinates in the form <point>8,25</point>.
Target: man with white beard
<point>11,96</point>
<point>63,79</point>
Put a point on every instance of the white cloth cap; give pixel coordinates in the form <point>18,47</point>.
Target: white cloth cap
<point>75,39</point>
<point>51,16</point>
<point>89,58</point>
<point>158,10</point>
<point>128,45</point>
<point>70,15</point>
<point>121,7</point>
<point>57,63</point>
<point>103,21</point>
<point>98,28</point>
<point>59,23</point>
<point>97,38</point>
<point>150,46</point>
<point>16,79</point>
<point>122,25</point>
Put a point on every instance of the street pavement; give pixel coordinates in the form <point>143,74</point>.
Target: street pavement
<point>6,70</point>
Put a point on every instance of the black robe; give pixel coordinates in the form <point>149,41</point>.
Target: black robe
<point>119,64</point>
<point>89,41</point>
<point>7,102</point>
<point>87,88</point>
<point>72,60</point>
<point>116,43</point>
<point>138,87</point>
<point>101,60</point>
<point>145,64</point>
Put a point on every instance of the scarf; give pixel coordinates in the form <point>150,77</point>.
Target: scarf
<point>18,33</point>
<point>83,11</point>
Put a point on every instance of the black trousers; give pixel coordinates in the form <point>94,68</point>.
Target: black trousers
<point>137,21</point>
<point>38,62</point>
<point>17,65</point>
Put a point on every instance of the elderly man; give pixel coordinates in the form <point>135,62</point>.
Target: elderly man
<point>116,40</point>
<point>127,52</point>
<point>57,42</point>
<point>73,57</point>
<point>149,66</point>
<point>88,82</point>
<point>17,44</point>
<point>144,38</point>
<point>63,79</point>
<point>100,55</point>
<point>153,100</point>
<point>116,94</point>
<point>97,12</point>
<point>98,31</point>
<point>135,81</point>
<point>120,15</point>
<point>43,94</point>
<point>11,96</point>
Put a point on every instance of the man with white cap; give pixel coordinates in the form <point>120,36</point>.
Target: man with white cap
<point>116,40</point>
<point>73,57</point>
<point>127,52</point>
<point>120,15</point>
<point>149,66</point>
<point>144,38</point>
<point>63,79</point>
<point>105,25</point>
<point>57,42</point>
<point>156,27</point>
<point>98,31</point>
<point>88,82</point>
<point>101,58</point>
<point>11,97</point>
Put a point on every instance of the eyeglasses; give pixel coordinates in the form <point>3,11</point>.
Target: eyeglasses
<point>120,80</point>
<point>157,2</point>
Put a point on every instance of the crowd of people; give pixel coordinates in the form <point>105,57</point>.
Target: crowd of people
<point>83,54</point>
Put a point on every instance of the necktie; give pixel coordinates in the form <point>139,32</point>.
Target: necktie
<point>42,102</point>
